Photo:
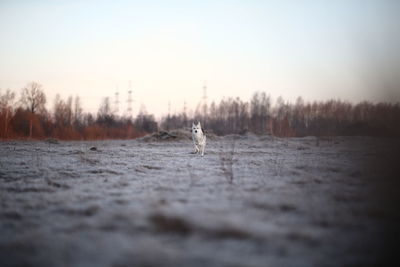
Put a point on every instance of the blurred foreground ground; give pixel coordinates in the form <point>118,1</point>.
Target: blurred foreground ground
<point>250,201</point>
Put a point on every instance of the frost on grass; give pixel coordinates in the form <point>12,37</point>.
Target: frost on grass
<point>250,201</point>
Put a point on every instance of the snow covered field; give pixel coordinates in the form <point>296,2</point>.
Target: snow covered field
<point>250,201</point>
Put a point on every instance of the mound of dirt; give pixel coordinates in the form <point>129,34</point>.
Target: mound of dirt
<point>52,141</point>
<point>174,135</point>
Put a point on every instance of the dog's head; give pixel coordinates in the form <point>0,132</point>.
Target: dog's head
<point>196,128</point>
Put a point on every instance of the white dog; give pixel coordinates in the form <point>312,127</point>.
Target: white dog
<point>199,138</point>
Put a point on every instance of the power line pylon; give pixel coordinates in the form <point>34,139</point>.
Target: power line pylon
<point>129,101</point>
<point>116,102</point>
<point>204,98</point>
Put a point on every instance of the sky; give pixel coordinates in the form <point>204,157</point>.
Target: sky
<point>166,51</point>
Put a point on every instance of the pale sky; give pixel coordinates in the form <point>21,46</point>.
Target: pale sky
<point>343,49</point>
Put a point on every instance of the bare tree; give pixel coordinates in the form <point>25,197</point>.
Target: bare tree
<point>77,111</point>
<point>6,105</point>
<point>105,107</point>
<point>145,122</point>
<point>105,115</point>
<point>69,110</point>
<point>34,99</point>
<point>255,113</point>
<point>62,111</point>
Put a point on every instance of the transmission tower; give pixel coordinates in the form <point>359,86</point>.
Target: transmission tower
<point>203,102</point>
<point>129,109</point>
<point>184,107</point>
<point>116,103</point>
<point>185,121</point>
<point>204,93</point>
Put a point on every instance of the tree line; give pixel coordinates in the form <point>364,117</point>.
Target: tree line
<point>281,118</point>
<point>26,116</point>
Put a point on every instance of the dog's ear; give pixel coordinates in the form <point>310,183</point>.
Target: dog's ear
<point>198,124</point>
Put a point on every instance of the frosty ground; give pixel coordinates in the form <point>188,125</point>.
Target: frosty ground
<point>250,201</point>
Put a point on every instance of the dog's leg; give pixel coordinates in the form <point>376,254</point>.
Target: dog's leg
<point>202,149</point>
<point>196,149</point>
